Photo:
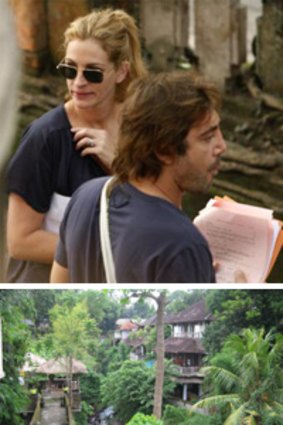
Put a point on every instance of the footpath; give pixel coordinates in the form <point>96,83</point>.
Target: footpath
<point>53,413</point>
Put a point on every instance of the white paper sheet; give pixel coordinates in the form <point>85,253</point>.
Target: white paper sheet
<point>238,243</point>
<point>55,214</point>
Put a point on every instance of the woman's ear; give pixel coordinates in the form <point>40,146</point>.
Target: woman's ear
<point>122,71</point>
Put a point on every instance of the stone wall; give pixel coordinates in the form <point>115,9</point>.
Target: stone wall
<point>32,31</point>
<point>59,14</point>
<point>220,38</point>
<point>269,45</point>
<point>165,27</point>
<point>40,26</point>
<point>220,33</point>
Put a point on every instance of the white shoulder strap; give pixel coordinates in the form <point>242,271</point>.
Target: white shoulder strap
<point>105,242</point>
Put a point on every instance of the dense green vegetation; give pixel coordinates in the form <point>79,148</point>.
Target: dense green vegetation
<point>245,379</point>
<point>130,389</point>
<point>244,382</point>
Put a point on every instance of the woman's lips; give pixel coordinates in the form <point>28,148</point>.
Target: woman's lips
<point>82,95</point>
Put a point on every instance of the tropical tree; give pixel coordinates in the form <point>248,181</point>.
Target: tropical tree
<point>73,333</point>
<point>130,389</point>
<point>245,382</point>
<point>15,337</point>
<point>110,357</point>
<point>177,415</point>
<point>180,300</point>
<point>141,309</point>
<point>43,301</point>
<point>141,419</point>
<point>160,353</point>
<point>160,298</point>
<point>237,310</point>
<point>103,307</point>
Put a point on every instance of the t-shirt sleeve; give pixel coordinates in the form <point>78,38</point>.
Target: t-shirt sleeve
<point>61,253</point>
<point>192,265</point>
<point>30,170</point>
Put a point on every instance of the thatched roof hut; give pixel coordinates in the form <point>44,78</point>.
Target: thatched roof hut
<point>32,362</point>
<point>60,367</point>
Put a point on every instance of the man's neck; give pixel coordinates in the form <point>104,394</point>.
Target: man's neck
<point>159,188</point>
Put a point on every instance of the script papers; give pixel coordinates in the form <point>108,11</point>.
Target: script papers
<point>242,238</point>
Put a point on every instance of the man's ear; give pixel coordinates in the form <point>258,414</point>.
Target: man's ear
<point>166,159</point>
<point>122,71</point>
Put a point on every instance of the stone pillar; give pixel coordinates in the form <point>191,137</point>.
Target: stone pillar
<point>60,13</point>
<point>239,27</point>
<point>185,392</point>
<point>165,28</point>
<point>31,24</point>
<point>219,38</point>
<point>269,56</point>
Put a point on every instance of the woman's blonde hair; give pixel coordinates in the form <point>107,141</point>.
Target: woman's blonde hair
<point>118,35</point>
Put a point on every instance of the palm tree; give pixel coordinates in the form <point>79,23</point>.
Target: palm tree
<point>245,380</point>
<point>160,298</point>
<point>160,349</point>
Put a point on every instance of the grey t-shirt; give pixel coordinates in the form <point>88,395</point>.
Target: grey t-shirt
<point>152,240</point>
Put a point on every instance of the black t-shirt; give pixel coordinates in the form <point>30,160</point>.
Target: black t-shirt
<point>152,240</point>
<point>46,162</point>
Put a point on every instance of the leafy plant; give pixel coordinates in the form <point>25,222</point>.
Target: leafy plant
<point>245,381</point>
<point>141,419</point>
<point>176,415</point>
<point>130,389</point>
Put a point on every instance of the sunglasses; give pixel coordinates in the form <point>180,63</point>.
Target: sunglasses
<point>70,72</point>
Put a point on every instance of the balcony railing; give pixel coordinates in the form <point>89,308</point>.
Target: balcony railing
<point>187,370</point>
<point>183,334</point>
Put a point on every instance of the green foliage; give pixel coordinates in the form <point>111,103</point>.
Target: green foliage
<point>43,346</point>
<point>43,301</point>
<point>140,309</point>
<point>237,310</point>
<point>12,401</point>
<point>102,307</point>
<point>180,300</point>
<point>110,357</point>
<point>81,418</point>
<point>73,330</point>
<point>178,415</point>
<point>174,415</point>
<point>141,419</point>
<point>90,389</point>
<point>245,381</point>
<point>130,389</point>
<point>15,333</point>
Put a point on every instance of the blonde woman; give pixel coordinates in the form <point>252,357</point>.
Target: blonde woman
<point>72,143</point>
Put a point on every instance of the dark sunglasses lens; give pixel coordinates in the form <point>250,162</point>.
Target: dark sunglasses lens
<point>93,75</point>
<point>67,71</point>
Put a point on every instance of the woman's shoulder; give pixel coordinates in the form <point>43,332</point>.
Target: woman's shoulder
<point>55,119</point>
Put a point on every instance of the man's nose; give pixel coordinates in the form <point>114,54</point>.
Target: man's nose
<point>221,143</point>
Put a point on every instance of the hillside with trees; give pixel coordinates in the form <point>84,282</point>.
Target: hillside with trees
<point>241,369</point>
